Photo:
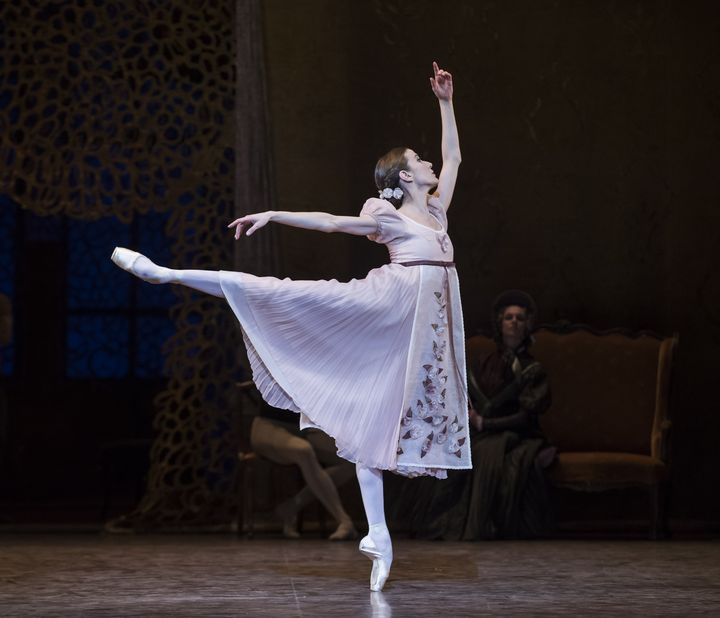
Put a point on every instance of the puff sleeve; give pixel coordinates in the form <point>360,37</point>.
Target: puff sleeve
<point>390,224</point>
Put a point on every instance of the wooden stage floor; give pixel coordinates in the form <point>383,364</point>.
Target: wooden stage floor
<point>218,575</point>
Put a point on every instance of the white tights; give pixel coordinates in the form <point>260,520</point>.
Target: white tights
<point>207,281</point>
<point>371,489</point>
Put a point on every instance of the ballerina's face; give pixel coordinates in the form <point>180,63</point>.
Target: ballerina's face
<point>421,170</point>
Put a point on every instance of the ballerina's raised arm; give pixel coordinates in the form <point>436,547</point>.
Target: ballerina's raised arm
<point>442,85</point>
<point>363,225</point>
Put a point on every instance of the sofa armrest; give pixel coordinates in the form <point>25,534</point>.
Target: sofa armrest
<point>661,422</point>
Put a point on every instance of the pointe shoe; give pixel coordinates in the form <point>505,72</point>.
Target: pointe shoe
<point>150,272</point>
<point>344,532</point>
<point>381,562</point>
<point>124,258</point>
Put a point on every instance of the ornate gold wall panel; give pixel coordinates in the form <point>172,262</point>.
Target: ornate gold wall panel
<point>120,108</point>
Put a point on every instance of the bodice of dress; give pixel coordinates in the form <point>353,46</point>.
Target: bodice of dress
<point>377,363</point>
<point>406,239</point>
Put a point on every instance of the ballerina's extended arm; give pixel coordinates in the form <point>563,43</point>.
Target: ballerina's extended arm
<point>442,86</point>
<point>321,221</point>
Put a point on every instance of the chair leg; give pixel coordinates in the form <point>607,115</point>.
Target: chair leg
<point>238,489</point>
<point>106,489</point>
<point>657,497</point>
<point>248,519</point>
<point>296,486</point>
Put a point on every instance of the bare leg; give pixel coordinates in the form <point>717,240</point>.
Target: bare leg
<point>283,447</point>
<point>207,281</point>
<point>319,481</point>
<point>339,474</point>
<point>377,544</point>
<point>338,469</point>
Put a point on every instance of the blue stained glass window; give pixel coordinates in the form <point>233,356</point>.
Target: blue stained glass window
<point>94,282</point>
<point>153,242</point>
<point>8,224</point>
<point>153,332</point>
<point>117,324</point>
<point>43,228</point>
<point>97,346</point>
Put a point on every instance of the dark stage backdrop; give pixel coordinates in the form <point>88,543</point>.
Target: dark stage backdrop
<point>117,127</point>
<point>590,134</point>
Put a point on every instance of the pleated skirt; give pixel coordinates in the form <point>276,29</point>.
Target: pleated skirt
<point>349,356</point>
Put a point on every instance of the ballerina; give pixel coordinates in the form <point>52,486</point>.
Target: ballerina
<point>378,363</point>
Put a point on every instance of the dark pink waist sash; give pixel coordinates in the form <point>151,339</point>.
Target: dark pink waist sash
<point>426,263</point>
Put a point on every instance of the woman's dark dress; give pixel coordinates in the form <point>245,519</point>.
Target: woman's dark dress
<point>504,495</point>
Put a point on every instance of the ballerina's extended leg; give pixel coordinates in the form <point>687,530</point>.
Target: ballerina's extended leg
<point>377,545</point>
<point>207,281</point>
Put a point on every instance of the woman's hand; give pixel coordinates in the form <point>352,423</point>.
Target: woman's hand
<point>251,223</point>
<point>442,86</point>
<point>441,83</point>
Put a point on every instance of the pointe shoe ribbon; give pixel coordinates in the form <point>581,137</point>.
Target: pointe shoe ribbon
<point>368,548</point>
<point>381,562</point>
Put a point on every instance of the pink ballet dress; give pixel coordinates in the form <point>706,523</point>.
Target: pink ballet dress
<point>377,363</point>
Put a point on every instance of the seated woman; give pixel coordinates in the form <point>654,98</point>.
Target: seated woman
<point>504,495</point>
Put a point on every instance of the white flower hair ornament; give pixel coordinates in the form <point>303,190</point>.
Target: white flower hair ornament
<point>387,193</point>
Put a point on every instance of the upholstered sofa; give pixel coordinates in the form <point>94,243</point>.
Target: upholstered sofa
<point>610,414</point>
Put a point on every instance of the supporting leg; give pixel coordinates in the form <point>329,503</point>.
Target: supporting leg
<point>377,545</point>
